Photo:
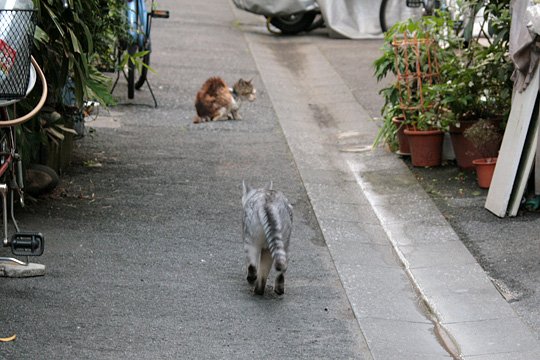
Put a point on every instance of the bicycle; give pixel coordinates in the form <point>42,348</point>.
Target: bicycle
<point>390,11</point>
<point>468,21</point>
<point>18,74</point>
<point>138,45</point>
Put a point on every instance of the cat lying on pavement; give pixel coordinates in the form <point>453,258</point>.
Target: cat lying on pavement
<point>216,101</point>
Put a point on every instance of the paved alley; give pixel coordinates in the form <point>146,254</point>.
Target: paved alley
<point>143,240</point>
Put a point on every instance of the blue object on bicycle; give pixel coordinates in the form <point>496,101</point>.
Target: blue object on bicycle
<point>137,34</point>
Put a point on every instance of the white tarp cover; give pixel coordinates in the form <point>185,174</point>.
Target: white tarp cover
<point>275,7</point>
<point>354,19</point>
<point>359,19</point>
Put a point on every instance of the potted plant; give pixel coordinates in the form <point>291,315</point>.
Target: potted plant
<point>395,62</point>
<point>391,129</point>
<point>486,136</point>
<point>477,78</point>
<point>426,116</point>
<point>481,90</point>
<point>426,127</point>
<point>411,53</point>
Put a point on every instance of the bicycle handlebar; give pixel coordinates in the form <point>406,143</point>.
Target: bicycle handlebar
<point>39,105</point>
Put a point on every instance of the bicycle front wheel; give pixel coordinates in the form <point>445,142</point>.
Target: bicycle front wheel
<point>144,68</point>
<point>132,50</point>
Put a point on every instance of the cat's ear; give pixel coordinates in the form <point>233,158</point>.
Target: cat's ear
<point>245,187</point>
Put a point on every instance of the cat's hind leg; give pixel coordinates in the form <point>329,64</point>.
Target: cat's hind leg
<point>279,285</point>
<point>264,269</point>
<point>222,114</point>
<point>235,115</point>
<point>252,274</point>
<point>252,261</point>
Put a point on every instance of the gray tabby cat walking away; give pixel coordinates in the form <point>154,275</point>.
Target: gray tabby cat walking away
<point>267,226</point>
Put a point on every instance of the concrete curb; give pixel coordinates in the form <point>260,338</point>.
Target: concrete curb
<point>362,198</point>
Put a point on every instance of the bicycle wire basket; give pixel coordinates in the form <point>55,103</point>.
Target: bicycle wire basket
<point>16,40</point>
<point>414,3</point>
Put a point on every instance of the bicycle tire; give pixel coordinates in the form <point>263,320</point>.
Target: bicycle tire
<point>392,12</point>
<point>430,6</point>
<point>144,70</point>
<point>4,149</point>
<point>131,72</point>
<point>383,20</point>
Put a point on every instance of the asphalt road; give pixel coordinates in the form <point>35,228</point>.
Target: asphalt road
<point>143,238</point>
<point>144,256</point>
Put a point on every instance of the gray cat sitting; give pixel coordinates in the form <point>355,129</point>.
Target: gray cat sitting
<point>267,226</point>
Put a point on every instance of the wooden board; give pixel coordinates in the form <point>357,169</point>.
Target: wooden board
<point>525,167</point>
<point>537,169</point>
<point>512,147</point>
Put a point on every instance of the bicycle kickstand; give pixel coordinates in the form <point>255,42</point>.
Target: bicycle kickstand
<point>115,81</point>
<point>5,242</point>
<point>151,92</point>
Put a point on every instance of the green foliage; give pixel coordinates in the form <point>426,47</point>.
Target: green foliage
<point>67,43</point>
<point>478,82</point>
<point>478,78</point>
<point>397,59</point>
<point>110,31</point>
<point>475,72</point>
<point>435,113</point>
<point>53,125</point>
<point>70,44</point>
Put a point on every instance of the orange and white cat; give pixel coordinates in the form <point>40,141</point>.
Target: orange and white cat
<point>216,101</point>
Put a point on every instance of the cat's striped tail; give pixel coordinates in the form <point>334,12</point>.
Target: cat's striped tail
<point>272,230</point>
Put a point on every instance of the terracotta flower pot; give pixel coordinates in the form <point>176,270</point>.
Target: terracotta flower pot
<point>464,150</point>
<point>484,171</point>
<point>426,147</point>
<point>403,141</point>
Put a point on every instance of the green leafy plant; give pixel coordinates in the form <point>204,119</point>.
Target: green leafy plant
<point>477,78</point>
<point>407,99</point>
<point>70,45</point>
<point>478,83</point>
<point>475,71</point>
<point>435,114</point>
<point>53,124</point>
